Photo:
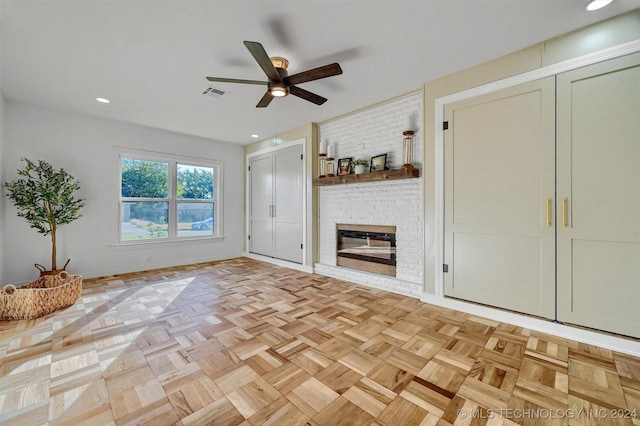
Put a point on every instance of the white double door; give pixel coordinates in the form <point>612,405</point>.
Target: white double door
<point>542,197</point>
<point>276,187</point>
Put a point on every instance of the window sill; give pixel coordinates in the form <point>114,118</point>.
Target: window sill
<point>164,243</point>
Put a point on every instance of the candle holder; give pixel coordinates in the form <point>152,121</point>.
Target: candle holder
<point>322,165</point>
<point>322,149</point>
<point>330,167</point>
<point>407,149</point>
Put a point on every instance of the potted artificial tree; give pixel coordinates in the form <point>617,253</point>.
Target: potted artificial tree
<point>45,197</point>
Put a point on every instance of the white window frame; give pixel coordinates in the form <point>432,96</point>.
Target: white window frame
<point>173,162</point>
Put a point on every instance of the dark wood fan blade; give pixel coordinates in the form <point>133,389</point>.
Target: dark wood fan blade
<point>235,80</point>
<point>265,101</point>
<point>306,95</point>
<point>314,74</point>
<point>261,57</point>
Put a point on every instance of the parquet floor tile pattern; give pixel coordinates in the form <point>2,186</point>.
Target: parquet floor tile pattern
<point>241,342</point>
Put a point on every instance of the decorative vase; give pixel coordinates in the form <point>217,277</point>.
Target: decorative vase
<point>359,168</point>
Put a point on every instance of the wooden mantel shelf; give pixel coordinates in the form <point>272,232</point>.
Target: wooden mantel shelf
<point>369,177</point>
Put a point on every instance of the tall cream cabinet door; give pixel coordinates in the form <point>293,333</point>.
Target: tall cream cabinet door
<point>599,196</point>
<point>276,204</point>
<point>499,199</point>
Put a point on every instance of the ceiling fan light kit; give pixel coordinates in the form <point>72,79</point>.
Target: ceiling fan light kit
<point>278,90</point>
<point>280,83</point>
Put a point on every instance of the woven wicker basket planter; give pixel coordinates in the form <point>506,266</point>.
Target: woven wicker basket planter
<point>41,297</point>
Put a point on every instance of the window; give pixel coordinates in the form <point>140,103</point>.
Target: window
<point>168,199</point>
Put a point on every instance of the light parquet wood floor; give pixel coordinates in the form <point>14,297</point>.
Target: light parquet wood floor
<point>242,342</point>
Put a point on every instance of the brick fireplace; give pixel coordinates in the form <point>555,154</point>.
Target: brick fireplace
<point>397,203</point>
<point>390,204</point>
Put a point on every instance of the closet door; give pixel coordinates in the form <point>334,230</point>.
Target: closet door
<point>599,196</point>
<point>276,204</point>
<point>499,190</point>
<point>261,208</point>
<point>288,202</point>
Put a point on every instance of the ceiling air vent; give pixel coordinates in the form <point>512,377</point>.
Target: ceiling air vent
<point>213,92</point>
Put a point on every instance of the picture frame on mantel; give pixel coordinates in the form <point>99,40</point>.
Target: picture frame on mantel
<point>344,166</point>
<point>378,163</point>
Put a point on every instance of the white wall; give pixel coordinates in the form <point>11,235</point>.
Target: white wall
<point>373,131</point>
<point>86,147</point>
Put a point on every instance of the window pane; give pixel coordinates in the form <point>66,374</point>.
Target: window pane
<point>195,219</point>
<point>194,182</point>
<point>144,179</point>
<point>144,220</point>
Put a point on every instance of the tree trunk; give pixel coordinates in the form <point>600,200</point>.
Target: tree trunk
<point>54,265</point>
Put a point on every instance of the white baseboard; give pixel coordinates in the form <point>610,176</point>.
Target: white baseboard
<point>118,269</point>
<point>280,262</point>
<point>618,344</point>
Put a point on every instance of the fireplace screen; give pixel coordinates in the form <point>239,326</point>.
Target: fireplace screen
<point>371,246</point>
<point>365,247</point>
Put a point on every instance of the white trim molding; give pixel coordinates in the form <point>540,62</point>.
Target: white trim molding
<point>618,344</point>
<point>279,262</point>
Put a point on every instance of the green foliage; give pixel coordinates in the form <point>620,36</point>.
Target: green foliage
<point>196,183</point>
<point>45,197</point>
<point>360,162</point>
<point>156,231</point>
<point>144,179</point>
<point>150,179</point>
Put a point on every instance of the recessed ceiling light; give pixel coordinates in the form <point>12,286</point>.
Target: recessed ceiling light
<point>103,100</point>
<point>255,136</point>
<point>597,4</point>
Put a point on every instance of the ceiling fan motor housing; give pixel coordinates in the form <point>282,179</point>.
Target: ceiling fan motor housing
<point>279,62</point>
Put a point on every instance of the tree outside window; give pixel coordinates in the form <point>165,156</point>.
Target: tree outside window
<point>166,200</point>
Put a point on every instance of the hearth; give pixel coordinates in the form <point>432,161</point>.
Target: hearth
<point>370,248</point>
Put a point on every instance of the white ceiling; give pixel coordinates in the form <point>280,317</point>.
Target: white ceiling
<point>150,58</point>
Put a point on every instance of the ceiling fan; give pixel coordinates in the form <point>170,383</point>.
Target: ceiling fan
<point>280,82</point>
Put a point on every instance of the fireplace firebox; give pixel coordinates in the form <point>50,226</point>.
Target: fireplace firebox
<point>370,248</point>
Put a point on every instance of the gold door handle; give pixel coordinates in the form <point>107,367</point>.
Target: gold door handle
<point>549,212</point>
<point>565,208</point>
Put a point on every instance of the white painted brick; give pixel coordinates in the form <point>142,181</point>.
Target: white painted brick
<point>398,203</point>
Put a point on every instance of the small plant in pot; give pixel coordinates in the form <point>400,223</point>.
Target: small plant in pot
<point>360,165</point>
<point>45,197</point>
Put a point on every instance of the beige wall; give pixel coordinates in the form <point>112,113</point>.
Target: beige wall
<point>310,133</point>
<point>596,37</point>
